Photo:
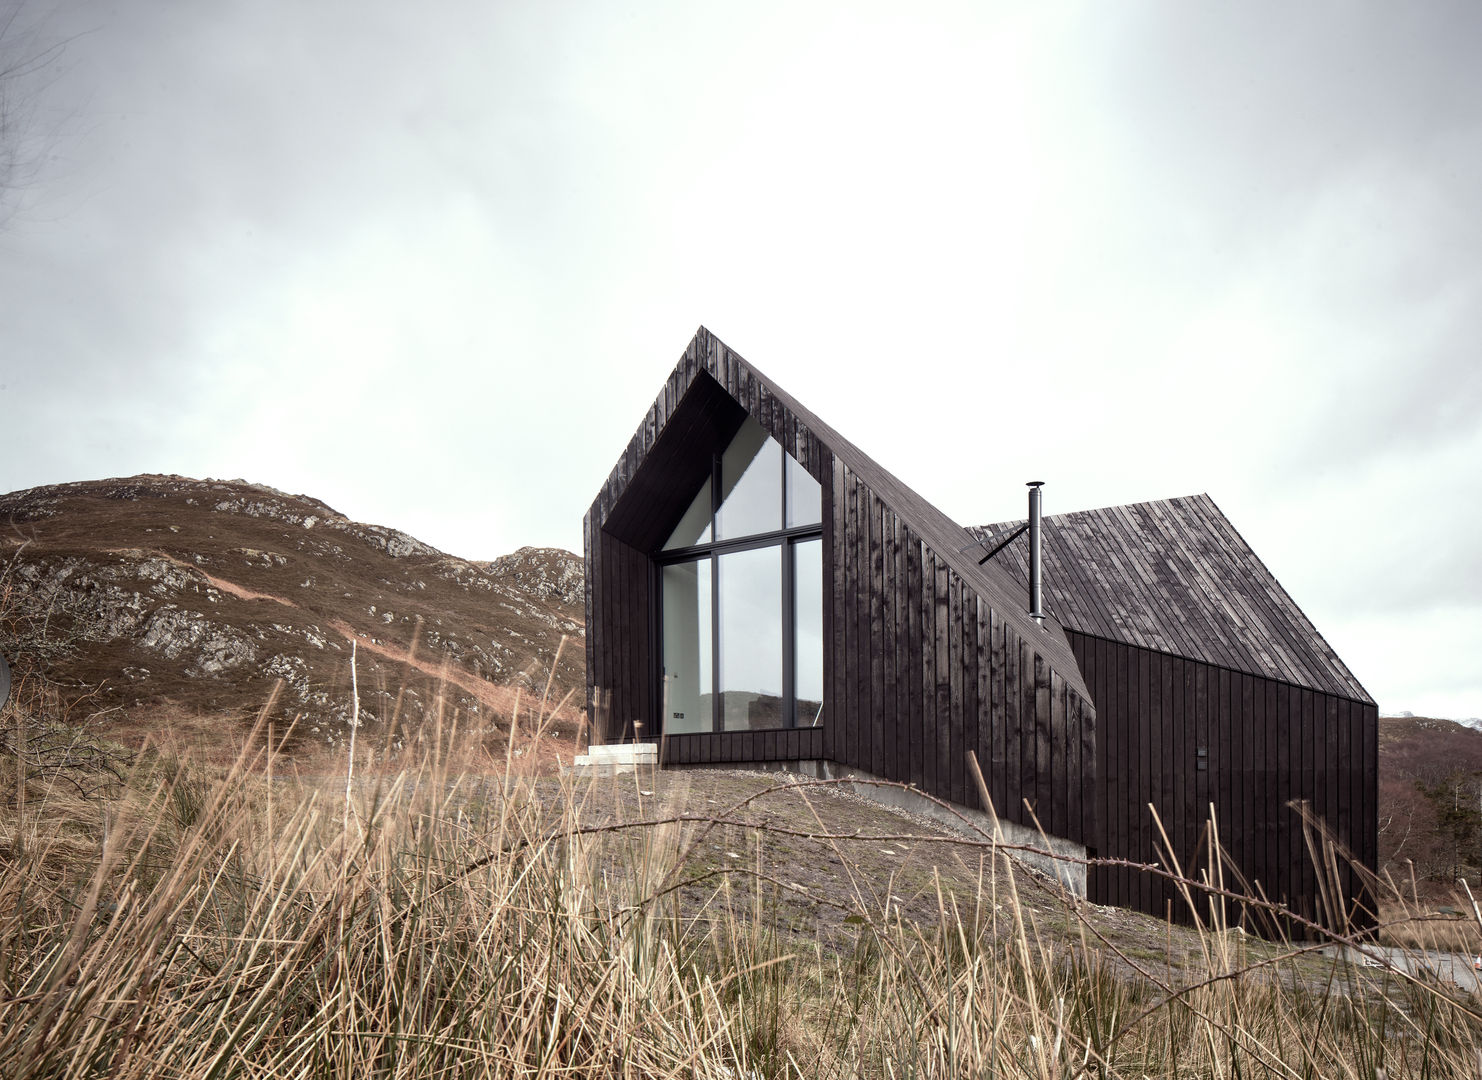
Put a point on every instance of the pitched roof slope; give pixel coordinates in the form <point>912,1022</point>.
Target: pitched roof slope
<point>951,542</point>
<point>1174,575</point>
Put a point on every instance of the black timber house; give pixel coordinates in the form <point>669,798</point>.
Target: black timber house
<point>759,590</point>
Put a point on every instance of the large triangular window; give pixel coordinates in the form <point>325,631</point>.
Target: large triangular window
<point>742,583</point>
<point>755,489</point>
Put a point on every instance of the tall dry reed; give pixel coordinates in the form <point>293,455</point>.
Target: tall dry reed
<point>473,921</point>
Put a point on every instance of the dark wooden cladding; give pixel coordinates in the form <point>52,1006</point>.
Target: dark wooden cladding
<point>732,747</point>
<point>927,655</point>
<point>927,670</point>
<point>1181,734</point>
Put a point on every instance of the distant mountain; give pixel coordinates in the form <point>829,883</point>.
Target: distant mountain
<point>1474,722</point>
<point>161,601</point>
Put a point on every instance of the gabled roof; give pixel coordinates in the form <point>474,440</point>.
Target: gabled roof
<point>708,392</point>
<point>1174,575</point>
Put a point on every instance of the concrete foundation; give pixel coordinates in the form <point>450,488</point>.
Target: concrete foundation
<point>615,758</point>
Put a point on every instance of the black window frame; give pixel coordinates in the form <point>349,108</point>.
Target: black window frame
<point>787,538</point>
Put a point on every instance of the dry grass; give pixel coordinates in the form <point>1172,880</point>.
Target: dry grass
<point>467,918</point>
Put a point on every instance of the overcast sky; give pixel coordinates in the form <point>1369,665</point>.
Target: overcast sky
<point>431,262</point>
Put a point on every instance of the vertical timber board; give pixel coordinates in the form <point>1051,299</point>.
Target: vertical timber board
<point>1336,757</point>
<point>1203,695</point>
<point>1220,753</point>
<point>1288,779</point>
<point>588,640</point>
<point>1167,763</point>
<point>1300,793</point>
<point>998,722</point>
<point>614,635</point>
<point>983,661</point>
<point>826,553</point>
<point>1012,807</point>
<point>1124,794</point>
<point>1348,716</point>
<point>942,701</point>
<point>1356,810</point>
<point>645,668</point>
<point>1221,766</point>
<point>1132,811</point>
<point>1369,803</point>
<point>619,699</point>
<point>1366,818</point>
<point>900,704</point>
<point>1106,732</point>
<point>956,754</point>
<point>889,596</point>
<point>967,637</point>
<point>1106,707</point>
<point>835,715</point>
<point>1030,666</point>
<point>1059,753</point>
<point>624,641</point>
<point>1090,784</point>
<point>1176,809</point>
<point>1075,719</point>
<point>1043,741</point>
<point>1266,789</point>
<point>1302,710</point>
<point>1255,726</point>
<point>641,673</point>
<point>860,732</point>
<point>1243,786</point>
<point>600,676</point>
<point>1328,759</point>
<point>847,738</point>
<point>1112,704</point>
<point>1341,765</point>
<point>634,638</point>
<point>1271,799</point>
<point>914,635</point>
<point>1143,897</point>
<point>1230,775</point>
<point>928,670</point>
<point>1188,794</point>
<point>931,726</point>
<point>876,758</point>
<point>591,640</point>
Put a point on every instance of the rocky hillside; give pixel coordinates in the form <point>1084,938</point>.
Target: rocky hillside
<point>159,600</point>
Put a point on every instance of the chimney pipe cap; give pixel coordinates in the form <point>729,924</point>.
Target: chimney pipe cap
<point>1035,483</point>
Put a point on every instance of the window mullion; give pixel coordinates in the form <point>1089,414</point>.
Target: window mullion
<point>716,714</point>
<point>788,600</point>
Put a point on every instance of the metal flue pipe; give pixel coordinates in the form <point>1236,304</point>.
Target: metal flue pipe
<point>1036,588</point>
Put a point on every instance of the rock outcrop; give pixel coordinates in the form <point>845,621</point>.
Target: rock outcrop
<point>205,594</point>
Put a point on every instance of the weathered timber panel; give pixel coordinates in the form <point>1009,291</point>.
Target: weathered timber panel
<point>798,744</point>
<point>1181,735</point>
<point>927,656</point>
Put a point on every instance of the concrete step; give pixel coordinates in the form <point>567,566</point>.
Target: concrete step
<point>615,758</point>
